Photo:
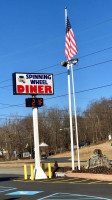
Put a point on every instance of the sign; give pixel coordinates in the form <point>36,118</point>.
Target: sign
<point>32,84</point>
<point>26,154</point>
<point>75,146</point>
<point>15,153</point>
<point>34,102</point>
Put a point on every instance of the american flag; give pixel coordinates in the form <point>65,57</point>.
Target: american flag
<point>70,44</point>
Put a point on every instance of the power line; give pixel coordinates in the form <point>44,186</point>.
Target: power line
<point>77,92</point>
<point>5,86</point>
<point>44,117</point>
<point>96,88</point>
<point>92,27</point>
<point>99,51</point>
<point>5,80</point>
<point>88,66</point>
<point>16,117</point>
<point>52,66</point>
<point>20,105</point>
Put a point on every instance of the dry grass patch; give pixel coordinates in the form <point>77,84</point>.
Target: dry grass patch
<point>85,154</point>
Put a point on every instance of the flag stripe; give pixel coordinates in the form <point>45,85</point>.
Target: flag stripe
<point>70,44</point>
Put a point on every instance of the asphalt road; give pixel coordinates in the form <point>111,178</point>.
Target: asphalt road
<point>12,188</point>
<point>20,170</point>
<point>50,160</point>
<point>13,170</point>
<point>60,160</point>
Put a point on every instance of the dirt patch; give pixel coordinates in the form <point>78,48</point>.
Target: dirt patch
<point>97,173</point>
<point>96,170</point>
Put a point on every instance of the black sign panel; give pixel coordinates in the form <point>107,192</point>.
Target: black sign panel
<point>34,102</point>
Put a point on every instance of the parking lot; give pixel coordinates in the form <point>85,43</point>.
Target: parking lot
<point>14,187</point>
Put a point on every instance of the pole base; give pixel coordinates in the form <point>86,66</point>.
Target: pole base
<point>39,173</point>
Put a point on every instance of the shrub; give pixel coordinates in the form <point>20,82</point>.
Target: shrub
<point>56,164</point>
<point>43,167</point>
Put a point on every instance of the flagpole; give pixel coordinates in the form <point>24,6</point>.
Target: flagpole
<point>70,115</point>
<point>77,142</point>
<point>70,106</point>
<point>65,15</point>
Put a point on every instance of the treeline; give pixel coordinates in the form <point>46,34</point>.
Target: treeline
<point>94,125</point>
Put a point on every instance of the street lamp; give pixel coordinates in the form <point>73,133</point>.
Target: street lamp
<point>73,62</point>
<point>64,64</point>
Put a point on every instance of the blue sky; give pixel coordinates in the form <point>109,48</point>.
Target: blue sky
<point>32,39</point>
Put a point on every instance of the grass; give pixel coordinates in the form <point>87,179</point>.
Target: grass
<point>85,153</point>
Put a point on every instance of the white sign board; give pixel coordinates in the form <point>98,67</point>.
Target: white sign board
<point>32,83</point>
<point>26,154</point>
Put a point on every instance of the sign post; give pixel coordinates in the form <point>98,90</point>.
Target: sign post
<point>38,172</point>
<point>33,84</point>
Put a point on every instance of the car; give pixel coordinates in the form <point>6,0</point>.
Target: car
<point>51,153</point>
<point>43,156</point>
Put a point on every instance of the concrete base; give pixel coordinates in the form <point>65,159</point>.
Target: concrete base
<point>39,173</point>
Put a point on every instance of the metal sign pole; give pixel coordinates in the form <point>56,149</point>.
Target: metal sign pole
<point>70,113</point>
<point>38,172</point>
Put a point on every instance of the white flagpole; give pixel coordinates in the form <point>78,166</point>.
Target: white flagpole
<point>77,141</point>
<point>70,115</point>
<point>70,109</point>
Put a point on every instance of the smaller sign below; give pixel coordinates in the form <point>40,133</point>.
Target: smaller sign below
<point>34,102</point>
